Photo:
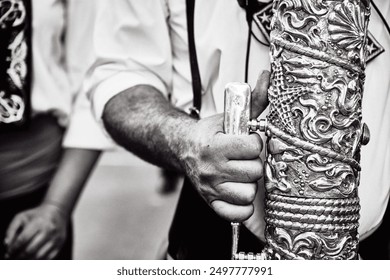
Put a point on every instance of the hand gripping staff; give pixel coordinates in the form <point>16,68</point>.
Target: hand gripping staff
<point>314,129</point>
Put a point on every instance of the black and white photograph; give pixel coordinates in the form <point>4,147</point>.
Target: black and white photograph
<point>203,130</point>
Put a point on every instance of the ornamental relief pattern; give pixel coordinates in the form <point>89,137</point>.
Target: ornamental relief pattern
<point>315,131</point>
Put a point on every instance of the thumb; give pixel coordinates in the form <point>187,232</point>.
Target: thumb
<point>14,229</point>
<point>260,94</point>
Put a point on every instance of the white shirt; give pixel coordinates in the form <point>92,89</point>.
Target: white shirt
<point>147,44</point>
<point>59,68</point>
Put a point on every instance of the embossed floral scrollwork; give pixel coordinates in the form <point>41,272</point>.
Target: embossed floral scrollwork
<point>338,175</point>
<point>315,128</point>
<point>312,245</point>
<point>12,13</point>
<point>347,29</point>
<point>301,21</point>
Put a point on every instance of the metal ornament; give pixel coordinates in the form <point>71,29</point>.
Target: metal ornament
<point>263,16</point>
<point>314,129</point>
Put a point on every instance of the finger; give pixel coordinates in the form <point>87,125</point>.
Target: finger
<point>17,248</point>
<point>53,254</point>
<point>237,193</point>
<point>256,223</point>
<point>46,251</point>
<point>14,229</point>
<point>260,94</point>
<point>240,147</point>
<point>244,171</point>
<point>230,212</point>
<point>36,243</point>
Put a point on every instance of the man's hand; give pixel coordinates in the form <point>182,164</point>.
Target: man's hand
<point>225,168</point>
<point>38,233</point>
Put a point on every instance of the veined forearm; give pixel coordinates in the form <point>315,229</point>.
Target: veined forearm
<point>142,121</point>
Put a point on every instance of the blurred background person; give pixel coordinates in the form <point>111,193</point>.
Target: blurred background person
<point>49,141</point>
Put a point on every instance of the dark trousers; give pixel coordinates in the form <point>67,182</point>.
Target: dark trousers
<point>377,245</point>
<point>198,233</point>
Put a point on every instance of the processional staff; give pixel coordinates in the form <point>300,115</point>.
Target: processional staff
<point>314,129</point>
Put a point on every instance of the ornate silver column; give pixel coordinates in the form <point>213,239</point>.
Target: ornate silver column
<point>314,128</point>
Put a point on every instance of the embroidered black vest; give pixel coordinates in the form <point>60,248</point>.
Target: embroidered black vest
<point>15,63</point>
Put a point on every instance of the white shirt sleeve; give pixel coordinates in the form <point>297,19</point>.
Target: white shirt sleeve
<point>83,131</point>
<point>132,45</point>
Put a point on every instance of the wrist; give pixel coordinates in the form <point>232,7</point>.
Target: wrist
<point>57,207</point>
<point>182,140</point>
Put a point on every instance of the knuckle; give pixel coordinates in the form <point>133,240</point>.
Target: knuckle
<point>261,173</point>
<point>203,191</point>
<point>256,171</point>
<point>241,143</point>
<point>53,254</point>
<point>257,147</point>
<point>259,169</point>
<point>207,192</point>
<point>21,238</point>
<point>51,230</point>
<point>206,173</point>
<point>21,217</point>
<point>217,207</point>
<point>249,195</point>
<point>212,172</point>
<point>242,214</point>
<point>248,212</point>
<point>206,168</point>
<point>256,144</point>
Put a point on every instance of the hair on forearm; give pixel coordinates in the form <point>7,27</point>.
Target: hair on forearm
<point>142,121</point>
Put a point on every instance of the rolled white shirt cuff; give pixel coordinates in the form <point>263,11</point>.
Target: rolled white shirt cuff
<point>120,82</point>
<point>84,132</point>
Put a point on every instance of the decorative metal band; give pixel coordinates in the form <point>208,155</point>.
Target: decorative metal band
<point>307,146</point>
<point>296,201</point>
<point>310,227</point>
<point>284,212</point>
<point>312,210</point>
<point>296,48</point>
<point>312,219</point>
